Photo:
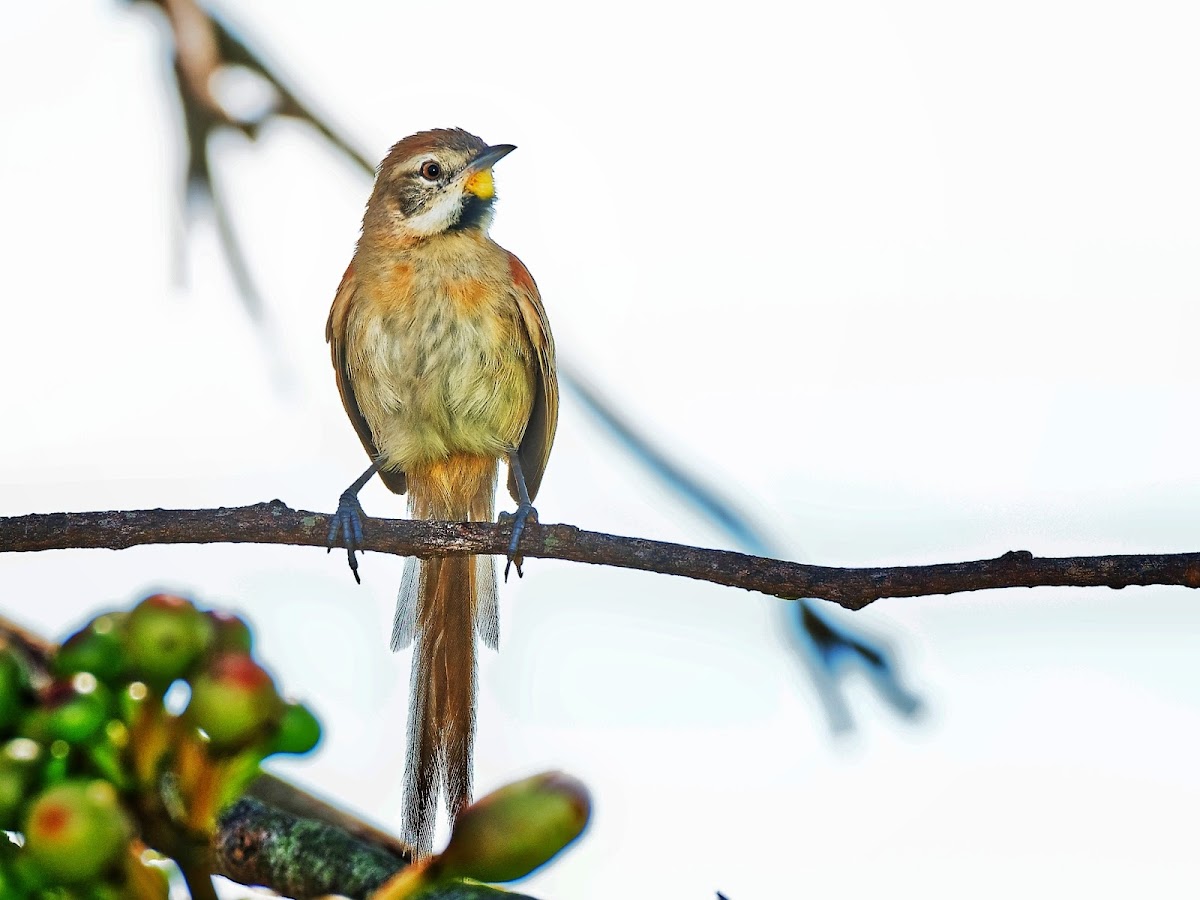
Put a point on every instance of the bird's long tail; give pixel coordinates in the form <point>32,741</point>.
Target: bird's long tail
<point>443,602</point>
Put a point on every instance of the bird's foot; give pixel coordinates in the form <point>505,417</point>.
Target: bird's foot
<point>525,513</point>
<point>347,524</point>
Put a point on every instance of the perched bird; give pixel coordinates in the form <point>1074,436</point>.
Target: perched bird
<point>445,364</point>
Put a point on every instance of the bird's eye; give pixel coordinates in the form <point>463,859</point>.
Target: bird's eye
<point>431,171</point>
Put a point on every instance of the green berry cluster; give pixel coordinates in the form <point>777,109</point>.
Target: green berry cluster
<point>119,750</point>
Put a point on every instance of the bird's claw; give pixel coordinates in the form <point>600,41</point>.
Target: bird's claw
<point>525,513</point>
<point>347,523</point>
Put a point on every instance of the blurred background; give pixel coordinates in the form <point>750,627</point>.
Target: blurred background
<point>911,285</point>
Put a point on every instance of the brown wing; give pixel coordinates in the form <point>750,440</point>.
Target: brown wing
<point>335,334</point>
<point>543,420</point>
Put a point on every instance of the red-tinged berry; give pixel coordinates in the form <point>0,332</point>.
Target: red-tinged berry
<point>164,637</point>
<point>231,634</point>
<point>75,831</point>
<point>233,700</point>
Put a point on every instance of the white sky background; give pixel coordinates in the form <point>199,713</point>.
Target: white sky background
<point>914,282</point>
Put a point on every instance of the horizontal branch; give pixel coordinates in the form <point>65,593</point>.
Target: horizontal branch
<point>276,523</point>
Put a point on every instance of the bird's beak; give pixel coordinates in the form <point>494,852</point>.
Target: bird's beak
<point>479,171</point>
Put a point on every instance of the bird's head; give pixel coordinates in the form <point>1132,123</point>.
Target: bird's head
<point>434,182</point>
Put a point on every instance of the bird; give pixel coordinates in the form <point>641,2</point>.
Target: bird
<point>445,363</point>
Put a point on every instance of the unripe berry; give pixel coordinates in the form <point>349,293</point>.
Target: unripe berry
<point>230,632</point>
<point>233,700</point>
<point>19,762</point>
<point>298,730</point>
<point>164,636</point>
<point>76,830</point>
<point>77,708</point>
<point>95,648</point>
<point>512,831</point>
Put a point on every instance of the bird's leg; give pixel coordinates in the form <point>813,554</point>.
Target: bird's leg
<point>347,521</point>
<point>525,513</point>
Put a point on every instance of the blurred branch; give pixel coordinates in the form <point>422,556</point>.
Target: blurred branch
<point>826,647</point>
<point>277,523</point>
<point>203,46</point>
<point>719,511</point>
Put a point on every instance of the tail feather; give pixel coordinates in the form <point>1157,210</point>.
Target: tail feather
<point>487,620</point>
<point>442,709</point>
<point>443,603</point>
<point>404,625</point>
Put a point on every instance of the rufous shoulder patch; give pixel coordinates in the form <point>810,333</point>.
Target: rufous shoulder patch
<point>520,275</point>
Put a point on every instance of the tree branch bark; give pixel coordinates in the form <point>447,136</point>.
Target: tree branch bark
<point>277,523</point>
